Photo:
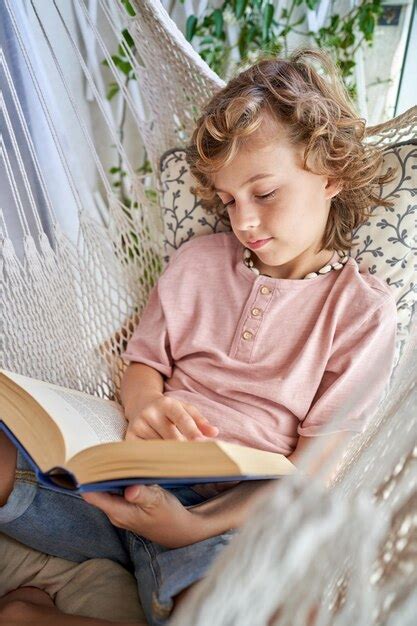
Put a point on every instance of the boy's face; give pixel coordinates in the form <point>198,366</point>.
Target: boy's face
<point>294,216</point>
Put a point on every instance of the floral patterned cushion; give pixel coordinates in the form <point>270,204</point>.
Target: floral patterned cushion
<point>182,213</point>
<point>385,245</point>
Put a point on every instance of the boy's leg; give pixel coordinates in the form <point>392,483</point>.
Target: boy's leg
<point>31,613</point>
<point>27,594</point>
<point>8,454</point>
<point>95,588</point>
<point>35,605</point>
<point>166,576</point>
<point>54,522</point>
<point>22,609</point>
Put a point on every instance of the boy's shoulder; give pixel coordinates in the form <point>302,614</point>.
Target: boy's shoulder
<point>371,291</point>
<point>198,261</point>
<point>203,245</point>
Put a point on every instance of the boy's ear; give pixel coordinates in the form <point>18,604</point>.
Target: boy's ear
<point>333,187</point>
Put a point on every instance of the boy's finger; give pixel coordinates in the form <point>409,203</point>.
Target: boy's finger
<point>184,421</point>
<point>107,502</point>
<point>209,428</point>
<point>202,422</point>
<point>120,512</point>
<point>141,430</point>
<point>166,429</point>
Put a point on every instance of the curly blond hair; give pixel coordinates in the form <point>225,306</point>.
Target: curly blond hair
<point>317,112</point>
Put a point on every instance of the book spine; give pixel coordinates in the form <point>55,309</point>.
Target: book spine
<point>19,446</point>
<point>57,478</point>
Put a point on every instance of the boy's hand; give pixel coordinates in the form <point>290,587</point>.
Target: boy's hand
<point>168,418</point>
<point>152,512</point>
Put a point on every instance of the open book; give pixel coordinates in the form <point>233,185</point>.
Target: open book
<point>76,441</point>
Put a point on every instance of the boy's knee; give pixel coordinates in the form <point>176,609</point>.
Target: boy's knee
<point>19,605</point>
<point>14,611</point>
<point>8,456</point>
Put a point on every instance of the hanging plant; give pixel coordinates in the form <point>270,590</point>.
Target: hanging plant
<point>261,29</point>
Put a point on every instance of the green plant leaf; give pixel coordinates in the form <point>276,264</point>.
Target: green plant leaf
<point>367,23</point>
<point>243,42</point>
<point>240,8</point>
<point>347,41</point>
<point>218,23</point>
<point>128,38</point>
<point>284,32</point>
<point>124,66</point>
<point>190,27</point>
<point>276,47</point>
<point>112,90</point>
<point>312,4</point>
<point>334,20</point>
<point>334,41</point>
<point>347,66</point>
<point>128,7</point>
<point>252,32</point>
<point>268,14</point>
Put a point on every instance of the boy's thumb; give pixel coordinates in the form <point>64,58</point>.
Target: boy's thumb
<point>132,492</point>
<point>143,495</point>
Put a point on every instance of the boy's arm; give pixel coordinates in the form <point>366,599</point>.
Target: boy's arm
<point>140,385</point>
<point>231,508</point>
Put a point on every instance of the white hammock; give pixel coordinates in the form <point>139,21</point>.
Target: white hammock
<point>352,548</point>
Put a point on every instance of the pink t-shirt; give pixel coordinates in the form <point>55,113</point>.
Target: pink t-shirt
<point>267,359</point>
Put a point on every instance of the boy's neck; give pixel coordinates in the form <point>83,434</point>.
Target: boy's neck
<point>296,269</point>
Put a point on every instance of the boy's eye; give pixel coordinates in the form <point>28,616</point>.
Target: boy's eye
<point>268,195</point>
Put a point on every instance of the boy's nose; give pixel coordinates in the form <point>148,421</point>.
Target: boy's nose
<point>246,219</point>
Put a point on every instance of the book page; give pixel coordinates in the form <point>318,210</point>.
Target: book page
<point>84,420</point>
<point>104,417</point>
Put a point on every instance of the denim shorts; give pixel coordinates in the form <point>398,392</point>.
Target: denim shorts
<point>64,525</point>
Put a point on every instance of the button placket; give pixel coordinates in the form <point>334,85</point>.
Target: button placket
<point>253,321</point>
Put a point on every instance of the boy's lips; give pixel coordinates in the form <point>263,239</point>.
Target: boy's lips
<point>258,242</point>
<point>259,239</point>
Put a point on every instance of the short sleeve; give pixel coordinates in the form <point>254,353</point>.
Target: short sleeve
<point>149,343</point>
<point>356,375</point>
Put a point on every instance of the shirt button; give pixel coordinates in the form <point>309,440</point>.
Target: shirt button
<point>247,335</point>
<point>265,290</point>
<point>256,312</point>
